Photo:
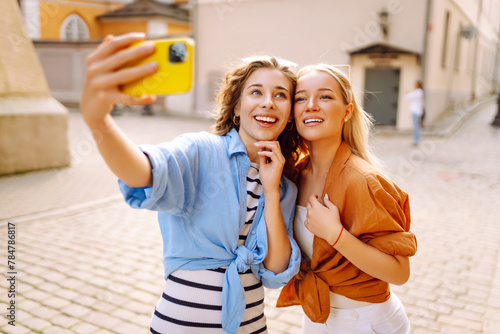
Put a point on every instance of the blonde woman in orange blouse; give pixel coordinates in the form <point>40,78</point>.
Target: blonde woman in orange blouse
<point>352,223</point>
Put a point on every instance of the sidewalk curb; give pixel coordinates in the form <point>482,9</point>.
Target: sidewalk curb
<point>460,114</point>
<point>449,121</point>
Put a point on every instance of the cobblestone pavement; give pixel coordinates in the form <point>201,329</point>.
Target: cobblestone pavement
<point>87,263</point>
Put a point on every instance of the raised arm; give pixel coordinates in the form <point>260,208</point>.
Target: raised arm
<point>279,248</point>
<point>324,221</point>
<point>105,73</point>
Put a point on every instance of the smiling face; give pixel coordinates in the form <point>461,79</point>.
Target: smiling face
<point>264,106</point>
<point>320,110</point>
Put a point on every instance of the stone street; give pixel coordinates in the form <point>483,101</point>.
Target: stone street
<point>87,263</point>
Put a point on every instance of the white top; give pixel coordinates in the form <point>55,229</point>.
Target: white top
<point>416,99</point>
<point>302,234</point>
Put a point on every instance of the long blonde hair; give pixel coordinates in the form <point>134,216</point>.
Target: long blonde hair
<point>229,97</point>
<point>357,130</point>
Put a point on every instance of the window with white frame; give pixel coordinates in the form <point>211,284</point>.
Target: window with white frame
<point>444,51</point>
<point>74,28</point>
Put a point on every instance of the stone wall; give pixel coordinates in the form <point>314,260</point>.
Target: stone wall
<point>33,125</point>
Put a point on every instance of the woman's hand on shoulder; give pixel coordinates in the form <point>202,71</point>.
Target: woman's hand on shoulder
<point>323,220</point>
<point>106,71</point>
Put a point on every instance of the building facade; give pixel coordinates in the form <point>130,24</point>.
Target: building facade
<point>81,20</point>
<point>65,19</point>
<point>450,45</point>
<point>65,32</point>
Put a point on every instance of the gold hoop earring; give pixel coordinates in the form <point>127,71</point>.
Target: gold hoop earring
<point>291,126</point>
<point>236,119</point>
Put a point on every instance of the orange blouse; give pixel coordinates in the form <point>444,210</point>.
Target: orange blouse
<point>373,209</point>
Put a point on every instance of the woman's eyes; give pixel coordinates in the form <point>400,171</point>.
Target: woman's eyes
<point>279,94</point>
<point>322,97</point>
<point>325,97</point>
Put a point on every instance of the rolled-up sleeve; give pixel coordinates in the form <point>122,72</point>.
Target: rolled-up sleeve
<point>380,215</point>
<point>174,169</point>
<point>287,204</point>
<point>275,281</point>
<point>392,214</point>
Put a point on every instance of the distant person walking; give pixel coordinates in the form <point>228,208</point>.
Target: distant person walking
<point>416,99</point>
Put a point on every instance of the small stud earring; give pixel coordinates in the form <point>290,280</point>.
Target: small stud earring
<point>345,119</point>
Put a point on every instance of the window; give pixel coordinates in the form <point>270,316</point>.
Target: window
<point>445,40</point>
<point>488,63</point>
<point>74,28</point>
<point>459,49</point>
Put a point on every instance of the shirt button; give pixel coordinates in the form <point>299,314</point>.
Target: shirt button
<point>253,232</point>
<point>354,315</point>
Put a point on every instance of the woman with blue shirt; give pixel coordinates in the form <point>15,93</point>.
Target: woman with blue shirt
<point>224,208</point>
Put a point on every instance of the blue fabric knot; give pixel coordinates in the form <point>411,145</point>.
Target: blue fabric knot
<point>233,292</point>
<point>244,258</point>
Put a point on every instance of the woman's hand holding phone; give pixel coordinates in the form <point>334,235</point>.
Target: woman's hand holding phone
<point>107,70</point>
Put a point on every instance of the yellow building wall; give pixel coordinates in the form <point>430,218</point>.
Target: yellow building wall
<point>122,27</point>
<point>176,28</point>
<point>53,14</point>
<point>138,25</point>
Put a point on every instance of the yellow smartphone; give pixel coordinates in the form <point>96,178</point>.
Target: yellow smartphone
<point>175,68</point>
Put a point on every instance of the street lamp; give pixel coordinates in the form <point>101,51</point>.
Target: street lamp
<point>468,32</point>
<point>383,21</point>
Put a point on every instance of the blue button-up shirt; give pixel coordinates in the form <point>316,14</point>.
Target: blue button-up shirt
<point>199,191</point>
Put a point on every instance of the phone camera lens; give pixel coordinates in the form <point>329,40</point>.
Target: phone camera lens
<point>177,53</point>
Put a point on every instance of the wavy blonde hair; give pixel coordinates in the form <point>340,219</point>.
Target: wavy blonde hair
<point>357,130</point>
<point>229,97</point>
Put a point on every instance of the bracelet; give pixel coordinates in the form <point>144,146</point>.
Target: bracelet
<point>342,230</point>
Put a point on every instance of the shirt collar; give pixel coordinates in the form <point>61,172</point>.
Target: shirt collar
<point>235,144</point>
<point>342,155</point>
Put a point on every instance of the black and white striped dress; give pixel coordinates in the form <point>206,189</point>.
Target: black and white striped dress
<point>191,301</point>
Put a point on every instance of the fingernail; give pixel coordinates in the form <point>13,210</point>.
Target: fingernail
<point>148,46</point>
<point>316,196</point>
<point>327,197</point>
<point>153,65</point>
